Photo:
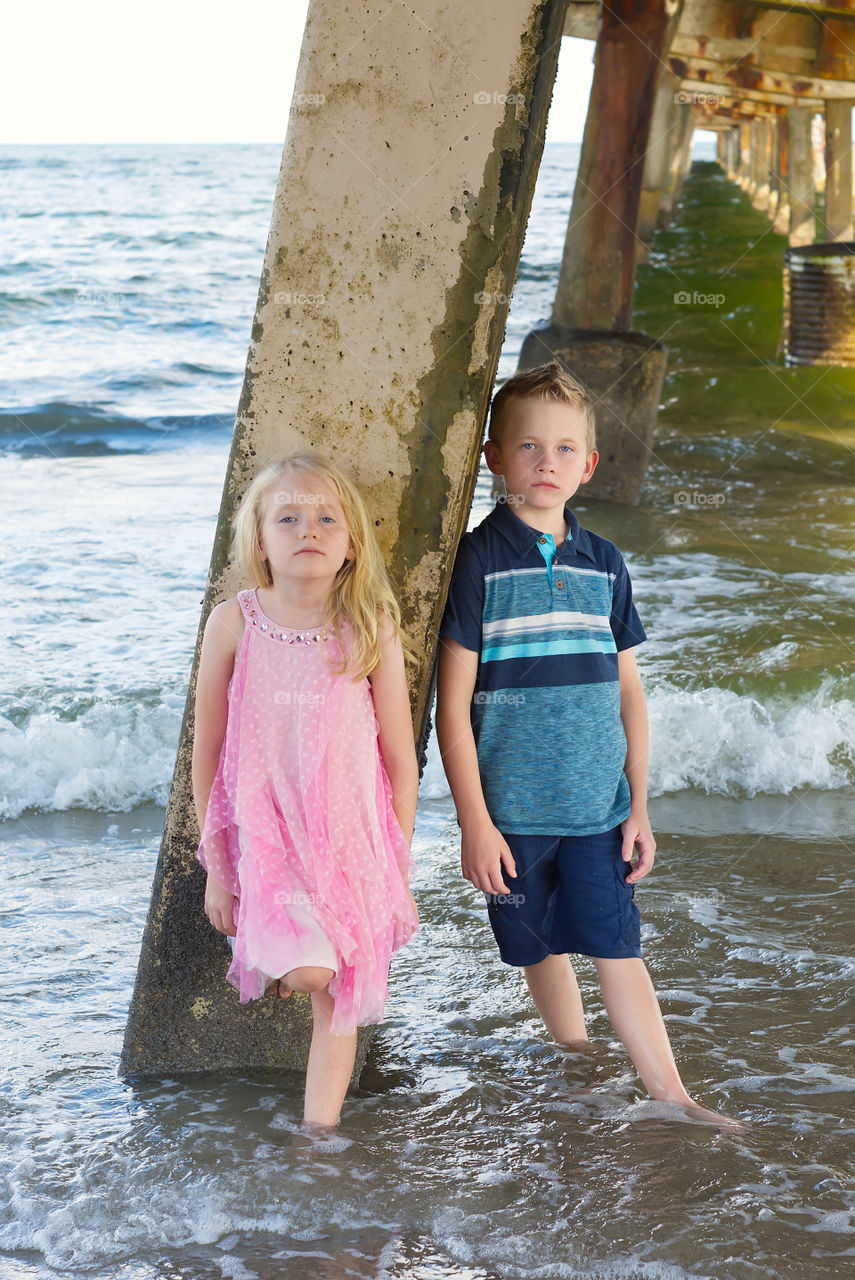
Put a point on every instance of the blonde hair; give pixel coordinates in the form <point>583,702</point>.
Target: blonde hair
<point>361,590</point>
<point>545,382</point>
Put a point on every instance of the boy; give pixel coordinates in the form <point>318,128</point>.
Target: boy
<point>547,762</point>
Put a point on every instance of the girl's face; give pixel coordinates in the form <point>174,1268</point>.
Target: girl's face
<point>304,533</point>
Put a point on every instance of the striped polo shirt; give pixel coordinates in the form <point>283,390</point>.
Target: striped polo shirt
<point>545,712</point>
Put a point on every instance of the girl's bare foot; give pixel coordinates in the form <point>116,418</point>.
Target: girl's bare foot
<point>278,984</point>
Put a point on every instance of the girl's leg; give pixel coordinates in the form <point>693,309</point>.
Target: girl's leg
<point>557,998</point>
<point>331,1057</point>
<point>331,1060</point>
<point>634,1011</point>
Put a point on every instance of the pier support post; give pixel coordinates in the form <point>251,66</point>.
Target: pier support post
<point>762,164</point>
<point>405,186</point>
<point>838,169</point>
<point>800,179</point>
<point>782,172</point>
<point>664,128</point>
<point>592,315</point>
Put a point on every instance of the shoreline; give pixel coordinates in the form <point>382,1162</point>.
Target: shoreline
<point>804,814</point>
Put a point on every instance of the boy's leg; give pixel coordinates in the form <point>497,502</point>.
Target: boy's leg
<point>634,1011</point>
<point>557,998</point>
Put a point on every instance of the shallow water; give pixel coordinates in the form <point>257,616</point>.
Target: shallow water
<point>474,1147</point>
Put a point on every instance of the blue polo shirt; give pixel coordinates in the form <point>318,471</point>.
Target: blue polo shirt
<point>547,624</point>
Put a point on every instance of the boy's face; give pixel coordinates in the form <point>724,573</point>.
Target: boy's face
<point>543,456</point>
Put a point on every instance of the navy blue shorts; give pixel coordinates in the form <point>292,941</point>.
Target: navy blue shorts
<point>569,894</point>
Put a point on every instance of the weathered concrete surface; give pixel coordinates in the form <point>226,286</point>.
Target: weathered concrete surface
<point>838,169</point>
<point>406,182</point>
<point>624,371</point>
<point>800,176</point>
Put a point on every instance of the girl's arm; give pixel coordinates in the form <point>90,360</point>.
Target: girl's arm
<point>392,707</point>
<point>223,631</point>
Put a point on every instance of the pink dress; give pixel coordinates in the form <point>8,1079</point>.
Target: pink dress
<point>300,824</point>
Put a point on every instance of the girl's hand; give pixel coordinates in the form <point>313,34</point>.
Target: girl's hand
<point>219,908</point>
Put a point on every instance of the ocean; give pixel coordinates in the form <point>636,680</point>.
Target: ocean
<point>475,1147</point>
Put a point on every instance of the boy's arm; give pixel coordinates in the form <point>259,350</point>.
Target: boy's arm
<point>633,713</point>
<point>483,850</point>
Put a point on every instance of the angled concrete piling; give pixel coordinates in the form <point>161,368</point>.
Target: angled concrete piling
<point>406,181</point>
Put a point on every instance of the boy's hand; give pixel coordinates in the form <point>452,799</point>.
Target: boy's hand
<point>637,833</point>
<point>219,908</point>
<point>483,853</point>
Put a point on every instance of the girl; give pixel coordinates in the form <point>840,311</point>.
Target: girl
<point>304,766</point>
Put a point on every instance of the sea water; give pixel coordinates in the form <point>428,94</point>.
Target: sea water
<point>474,1147</point>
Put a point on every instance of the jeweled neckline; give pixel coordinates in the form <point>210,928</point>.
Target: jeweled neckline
<point>286,635</point>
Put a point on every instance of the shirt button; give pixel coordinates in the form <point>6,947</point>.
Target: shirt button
<point>541,540</point>
<point>559,584</point>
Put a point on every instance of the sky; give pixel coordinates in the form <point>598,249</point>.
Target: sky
<point>182,71</point>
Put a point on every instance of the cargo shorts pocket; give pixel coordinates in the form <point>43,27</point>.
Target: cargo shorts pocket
<point>629,916</point>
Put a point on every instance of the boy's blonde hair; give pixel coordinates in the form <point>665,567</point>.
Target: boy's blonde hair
<point>545,382</point>
<point>361,590</point>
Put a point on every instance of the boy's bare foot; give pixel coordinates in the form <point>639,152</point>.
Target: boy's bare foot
<point>696,1112</point>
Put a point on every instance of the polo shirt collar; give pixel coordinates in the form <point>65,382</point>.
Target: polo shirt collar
<point>523,537</point>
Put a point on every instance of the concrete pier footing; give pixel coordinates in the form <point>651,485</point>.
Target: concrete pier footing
<point>624,371</point>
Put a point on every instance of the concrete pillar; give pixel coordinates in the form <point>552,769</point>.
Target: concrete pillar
<point>782,212</point>
<point>800,178</point>
<point>664,129</point>
<point>744,175</point>
<point>681,163</point>
<point>772,157</point>
<point>403,194</point>
<point>762,164</point>
<point>597,277</point>
<point>733,154</point>
<point>838,169</point>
